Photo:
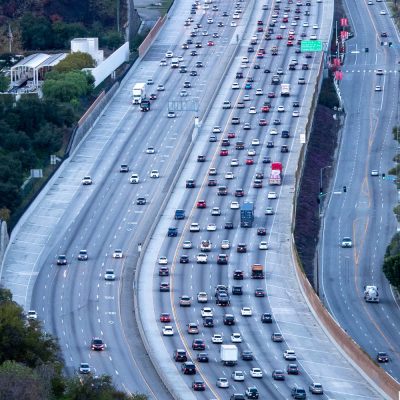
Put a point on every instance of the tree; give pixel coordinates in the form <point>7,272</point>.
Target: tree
<point>75,61</point>
<point>36,32</point>
<point>4,83</point>
<point>391,269</point>
<point>64,33</point>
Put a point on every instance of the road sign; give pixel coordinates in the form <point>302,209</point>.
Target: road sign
<point>310,45</point>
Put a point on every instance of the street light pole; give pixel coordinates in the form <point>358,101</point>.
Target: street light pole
<point>320,185</point>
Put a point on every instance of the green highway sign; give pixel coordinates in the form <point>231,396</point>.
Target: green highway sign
<point>310,45</point>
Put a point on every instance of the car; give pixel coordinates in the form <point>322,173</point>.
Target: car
<point>247,126</point>
<point>165,317</point>
<point>249,161</point>
<point>134,178</point>
<point>185,301</point>
<point>206,312</point>
<point>188,368</point>
<point>263,121</point>
<point>229,175</point>
<point>212,139</point>
<point>193,73</point>
<point>201,158</point>
<point>86,180</point>
<point>298,393</point>
<point>236,337</point>
<point>289,355</point>
<point>251,152</point>
<point>235,205</point>
<point>183,93</point>
<point>252,110</point>
<point>295,113</point>
<point>266,318</point>
<point>117,253</point>
<point>234,162</point>
<point>150,81</point>
<point>256,372</point>
<point>272,195</point>
<point>382,12</point>
<point>252,392</point>
<point>202,297</point>
<point>211,227</point>
<point>347,242</point>
<point>97,344</point>
<point>235,85</point>
<point>82,255</point>
<point>228,225</point>
<point>180,355</point>
<point>163,271</point>
<point>382,357</point>
<point>277,337</point>
<point>258,183</point>
<point>247,355</point>
<point>168,330</point>
<point>246,312</point>
<point>169,54</point>
<point>374,172</point>
<point>163,260</point>
<point>84,368</point>
<point>316,388</point>
<point>261,231</point>
<point>193,328</point>
<point>163,63</point>
<point>198,344</point>
<point>201,204</point>
<point>164,287</point>
<point>378,88</point>
<point>259,292</point>
<point>154,173</point>
<point>225,244</point>
<point>281,109</point>
<point>278,375</point>
<point>217,338</point>
<point>222,383</point>
<point>259,92</point>
<point>292,369</point>
<point>124,168</point>
<point>198,386</point>
<point>31,315</point>
<point>269,211</point>
<point>202,357</point>
<point>223,152</point>
<point>171,114</point>
<point>109,275</point>
<point>229,319</point>
<point>271,95</point>
<point>238,376</point>
<point>194,227</point>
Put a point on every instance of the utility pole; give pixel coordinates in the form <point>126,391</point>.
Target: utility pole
<point>10,38</point>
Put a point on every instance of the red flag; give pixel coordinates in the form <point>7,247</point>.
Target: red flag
<point>338,75</point>
<point>344,35</point>
<point>343,22</point>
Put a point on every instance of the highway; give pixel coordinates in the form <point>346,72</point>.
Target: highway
<point>364,212</point>
<point>283,299</point>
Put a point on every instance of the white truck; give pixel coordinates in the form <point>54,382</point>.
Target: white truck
<point>371,294</point>
<point>285,89</point>
<point>229,354</point>
<point>138,93</point>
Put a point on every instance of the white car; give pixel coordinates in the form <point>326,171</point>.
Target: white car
<point>374,172</point>
<point>255,142</point>
<point>169,54</point>
<point>87,180</point>
<point>293,23</point>
<point>272,195</point>
<point>235,85</point>
<point>281,109</point>
<point>273,131</point>
<point>233,23</point>
<point>109,275</point>
<point>256,372</point>
<point>187,244</point>
<point>315,26</point>
<point>183,93</point>
<point>246,97</point>
<point>251,152</point>
<point>212,171</point>
<point>150,150</point>
<point>217,129</point>
<point>117,253</point>
<point>313,37</point>
<point>217,338</point>
<point>149,82</point>
<point>31,315</point>
<point>202,297</point>
<point>235,205</point>
<point>154,174</point>
<point>246,312</point>
<point>238,376</point>
<point>215,211</point>
<point>222,383</point>
<point>163,261</point>
<point>225,244</point>
<point>259,92</point>
<point>84,368</point>
<point>347,242</point>
<point>305,24</point>
<point>379,71</point>
<point>378,88</point>
<point>229,175</point>
<point>160,88</point>
<point>236,338</point>
<point>211,227</point>
<point>235,162</point>
<point>163,63</point>
<point>236,16</point>
<point>295,114</point>
<point>263,245</point>
<point>171,114</point>
<point>382,12</point>
<point>289,355</point>
<point>252,110</point>
<point>134,178</point>
<point>194,227</point>
<point>168,330</point>
<point>206,312</point>
<point>210,20</point>
<point>283,26</point>
<point>269,211</point>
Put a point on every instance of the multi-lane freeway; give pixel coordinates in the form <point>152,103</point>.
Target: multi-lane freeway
<point>364,212</point>
<point>77,303</point>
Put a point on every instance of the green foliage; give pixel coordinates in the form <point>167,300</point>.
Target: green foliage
<point>64,32</point>
<point>391,269</point>
<point>396,211</point>
<point>396,133</point>
<point>36,32</point>
<point>113,40</point>
<point>75,61</point>
<point>328,96</point>
<point>4,83</point>
<point>395,170</point>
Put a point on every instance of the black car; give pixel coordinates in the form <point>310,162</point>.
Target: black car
<point>188,368</point>
<point>266,160</point>
<point>238,275</point>
<point>239,75</point>
<point>237,290</point>
<point>201,158</point>
<point>284,149</point>
<point>250,49</point>
<point>141,201</point>
<point>247,355</point>
<point>292,369</point>
<point>212,139</point>
<point>270,145</point>
<point>285,134</point>
<point>222,259</point>
<point>266,318</point>
<point>256,66</point>
<point>190,183</point>
<point>229,319</point>
<point>296,104</point>
<point>180,355</point>
<point>222,299</point>
<point>193,73</point>
<point>252,392</point>
<point>237,396</point>
<point>62,260</point>
<point>267,71</point>
<point>382,357</point>
<point>261,231</point>
<point>228,225</point>
<point>278,375</point>
<point>202,357</point>
<point>208,322</point>
<point>184,259</point>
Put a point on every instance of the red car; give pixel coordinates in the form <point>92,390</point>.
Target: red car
<point>271,95</point>
<point>201,204</point>
<point>263,122</point>
<point>260,29</point>
<point>291,37</point>
<point>199,386</point>
<point>223,152</point>
<point>259,292</point>
<point>210,43</point>
<point>279,37</point>
<point>285,19</point>
<point>260,55</point>
<point>259,22</point>
<point>249,161</point>
<point>264,109</point>
<point>231,135</point>
<point>289,43</point>
<point>212,182</point>
<point>165,317</point>
<point>198,344</point>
